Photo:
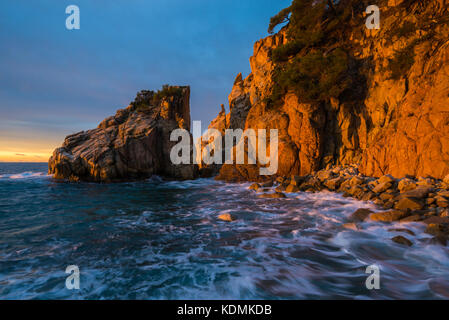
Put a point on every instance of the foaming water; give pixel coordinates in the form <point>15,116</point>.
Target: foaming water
<point>163,240</point>
<point>24,175</point>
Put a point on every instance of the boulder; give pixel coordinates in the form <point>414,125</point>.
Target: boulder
<point>368,196</point>
<point>351,226</point>
<point>435,229</point>
<point>420,192</point>
<point>324,175</point>
<point>387,196</point>
<point>444,213</point>
<point>437,220</point>
<point>386,178</point>
<point>382,187</point>
<point>345,184</point>
<point>254,186</point>
<point>406,185</point>
<point>356,191</point>
<point>443,193</point>
<point>274,195</point>
<point>226,217</point>
<point>402,240</point>
<point>442,202</point>
<point>388,204</point>
<point>356,180</point>
<point>388,216</point>
<point>333,184</point>
<point>360,215</point>
<point>446,179</point>
<point>409,204</point>
<point>426,182</point>
<point>311,184</point>
<point>412,218</point>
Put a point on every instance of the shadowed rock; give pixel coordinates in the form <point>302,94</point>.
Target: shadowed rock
<point>388,216</point>
<point>402,240</point>
<point>360,215</point>
<point>134,144</point>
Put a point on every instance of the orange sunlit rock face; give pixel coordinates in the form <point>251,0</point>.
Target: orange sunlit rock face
<point>398,126</point>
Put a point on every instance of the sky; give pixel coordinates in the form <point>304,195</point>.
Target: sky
<point>55,82</point>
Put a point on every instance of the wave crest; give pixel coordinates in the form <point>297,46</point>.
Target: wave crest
<point>24,175</point>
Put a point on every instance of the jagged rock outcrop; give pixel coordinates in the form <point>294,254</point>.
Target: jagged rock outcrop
<point>134,144</point>
<point>396,125</point>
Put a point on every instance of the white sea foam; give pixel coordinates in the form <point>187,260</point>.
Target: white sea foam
<point>163,240</point>
<point>24,175</point>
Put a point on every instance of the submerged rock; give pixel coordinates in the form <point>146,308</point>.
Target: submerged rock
<point>226,217</point>
<point>134,144</point>
<point>410,232</point>
<point>402,240</point>
<point>360,215</point>
<point>272,195</point>
<point>254,186</point>
<point>351,226</point>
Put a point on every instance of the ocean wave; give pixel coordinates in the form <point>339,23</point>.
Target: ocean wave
<point>24,175</point>
<point>159,239</point>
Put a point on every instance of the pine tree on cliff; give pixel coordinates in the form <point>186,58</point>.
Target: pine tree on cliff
<point>314,63</point>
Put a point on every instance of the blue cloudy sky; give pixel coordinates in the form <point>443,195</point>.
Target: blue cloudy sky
<point>54,82</point>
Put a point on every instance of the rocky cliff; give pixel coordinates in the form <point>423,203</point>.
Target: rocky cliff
<point>392,117</point>
<point>133,144</point>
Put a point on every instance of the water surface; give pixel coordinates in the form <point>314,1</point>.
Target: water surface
<point>162,240</point>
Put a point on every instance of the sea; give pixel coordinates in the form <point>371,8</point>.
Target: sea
<point>158,239</point>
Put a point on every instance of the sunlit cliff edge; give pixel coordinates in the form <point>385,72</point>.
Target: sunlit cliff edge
<point>392,118</point>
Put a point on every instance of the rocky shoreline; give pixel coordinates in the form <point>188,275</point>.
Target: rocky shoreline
<point>406,200</point>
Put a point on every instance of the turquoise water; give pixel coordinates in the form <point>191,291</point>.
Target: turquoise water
<point>162,240</point>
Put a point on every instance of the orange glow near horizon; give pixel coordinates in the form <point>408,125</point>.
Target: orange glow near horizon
<point>26,151</point>
<point>7,156</point>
